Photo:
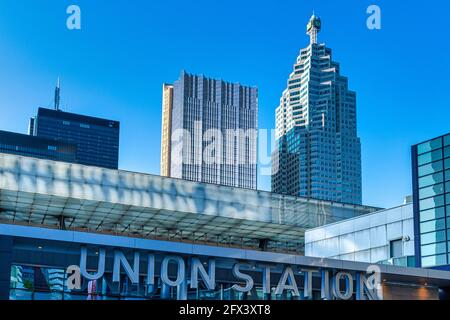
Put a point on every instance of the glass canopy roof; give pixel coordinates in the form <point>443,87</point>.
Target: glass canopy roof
<point>76,197</point>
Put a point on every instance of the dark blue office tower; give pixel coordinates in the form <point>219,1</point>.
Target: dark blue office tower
<point>97,140</point>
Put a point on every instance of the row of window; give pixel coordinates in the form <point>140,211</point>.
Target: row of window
<point>433,145</point>
<point>434,167</point>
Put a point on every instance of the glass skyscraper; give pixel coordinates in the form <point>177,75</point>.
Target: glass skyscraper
<point>431,186</point>
<point>96,139</point>
<point>318,150</point>
<point>213,131</point>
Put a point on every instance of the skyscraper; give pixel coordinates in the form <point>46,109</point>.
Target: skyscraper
<point>213,131</point>
<point>166,130</point>
<point>318,151</point>
<point>96,139</point>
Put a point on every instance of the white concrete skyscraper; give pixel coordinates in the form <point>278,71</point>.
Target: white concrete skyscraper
<point>318,150</point>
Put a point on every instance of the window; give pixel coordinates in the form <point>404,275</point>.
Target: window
<point>434,261</point>
<point>433,214</point>
<point>431,191</point>
<point>433,237</point>
<point>429,146</point>
<point>430,168</point>
<point>434,249</point>
<point>434,225</point>
<point>396,249</point>
<point>432,179</point>
<point>430,157</point>
<point>447,152</point>
<point>447,140</point>
<point>432,203</point>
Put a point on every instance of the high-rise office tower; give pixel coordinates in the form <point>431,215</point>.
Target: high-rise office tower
<point>96,139</point>
<point>213,131</point>
<point>318,151</point>
<point>166,131</point>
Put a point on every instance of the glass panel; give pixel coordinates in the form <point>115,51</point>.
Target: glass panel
<point>447,197</point>
<point>446,152</point>
<point>447,140</point>
<point>432,237</point>
<point>434,261</point>
<point>432,179</point>
<point>430,157</point>
<point>447,175</point>
<point>431,191</point>
<point>432,203</point>
<point>447,187</point>
<point>434,249</point>
<point>447,163</point>
<point>429,146</point>
<point>430,168</point>
<point>432,214</point>
<point>396,248</point>
<point>433,225</point>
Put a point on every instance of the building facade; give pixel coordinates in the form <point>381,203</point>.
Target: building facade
<point>213,132</point>
<point>382,237</point>
<point>166,129</point>
<point>431,186</point>
<point>73,232</point>
<point>318,150</point>
<point>30,146</point>
<point>97,140</point>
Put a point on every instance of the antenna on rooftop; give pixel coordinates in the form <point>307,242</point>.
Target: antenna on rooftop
<point>58,95</point>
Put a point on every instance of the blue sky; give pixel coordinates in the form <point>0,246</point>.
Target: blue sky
<point>115,66</point>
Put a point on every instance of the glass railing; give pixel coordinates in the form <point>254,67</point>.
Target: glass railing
<point>407,262</point>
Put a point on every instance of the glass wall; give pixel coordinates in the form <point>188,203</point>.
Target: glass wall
<point>433,161</point>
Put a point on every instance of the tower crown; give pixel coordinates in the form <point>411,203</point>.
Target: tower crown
<point>313,28</point>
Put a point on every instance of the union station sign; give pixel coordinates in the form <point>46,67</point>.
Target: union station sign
<point>175,271</point>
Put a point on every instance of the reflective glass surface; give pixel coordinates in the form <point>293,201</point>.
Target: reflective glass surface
<point>434,200</point>
<point>434,261</point>
<point>431,168</point>
<point>429,146</point>
<point>432,203</point>
<point>447,140</point>
<point>433,237</point>
<point>431,179</point>
<point>431,191</point>
<point>433,225</point>
<point>436,213</point>
<point>434,249</point>
<point>430,157</point>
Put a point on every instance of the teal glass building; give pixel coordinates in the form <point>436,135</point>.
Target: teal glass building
<point>431,186</point>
